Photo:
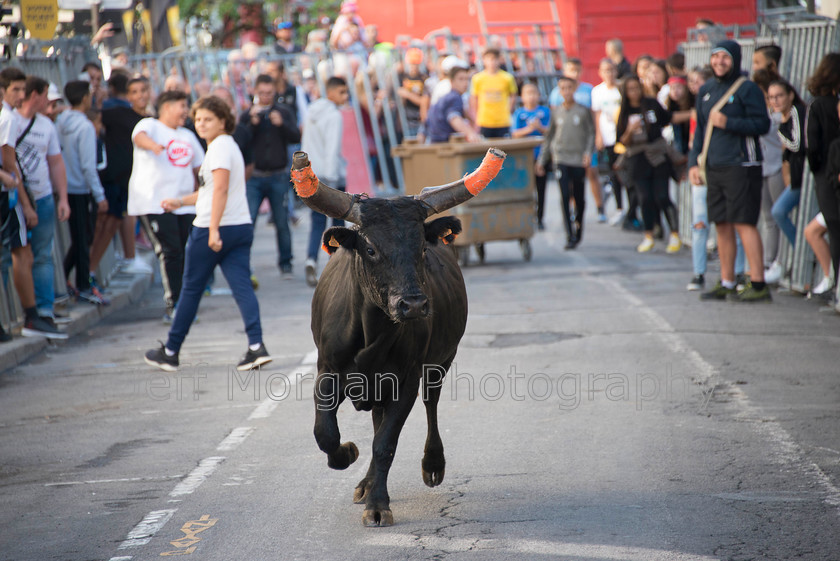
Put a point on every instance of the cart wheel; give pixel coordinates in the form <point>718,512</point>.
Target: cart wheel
<point>479,249</point>
<point>525,246</point>
<point>463,255</point>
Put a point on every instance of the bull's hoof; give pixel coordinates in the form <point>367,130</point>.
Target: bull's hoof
<point>372,518</point>
<point>343,456</point>
<point>362,490</point>
<point>433,478</point>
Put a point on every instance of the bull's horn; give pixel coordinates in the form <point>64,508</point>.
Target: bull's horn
<point>439,199</point>
<point>319,197</point>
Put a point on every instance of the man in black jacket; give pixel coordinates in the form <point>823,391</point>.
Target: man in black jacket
<point>271,127</point>
<point>733,170</point>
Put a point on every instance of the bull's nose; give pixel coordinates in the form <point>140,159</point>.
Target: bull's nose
<point>413,307</point>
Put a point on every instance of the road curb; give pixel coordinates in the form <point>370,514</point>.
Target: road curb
<point>123,290</point>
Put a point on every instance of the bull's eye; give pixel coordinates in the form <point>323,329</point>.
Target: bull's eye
<point>371,251</point>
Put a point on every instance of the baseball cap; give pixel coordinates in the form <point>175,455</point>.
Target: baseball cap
<point>451,62</point>
<point>284,25</point>
<point>53,93</point>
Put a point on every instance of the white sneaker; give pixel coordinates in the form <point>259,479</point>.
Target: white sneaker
<point>617,218</point>
<point>646,245</point>
<point>773,273</point>
<point>311,272</point>
<point>822,287</point>
<point>137,266</point>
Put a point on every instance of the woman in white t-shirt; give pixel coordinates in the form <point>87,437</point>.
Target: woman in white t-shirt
<point>222,234</point>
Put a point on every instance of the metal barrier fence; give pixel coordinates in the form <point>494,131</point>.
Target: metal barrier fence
<point>803,45</point>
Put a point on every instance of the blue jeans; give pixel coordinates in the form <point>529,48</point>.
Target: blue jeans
<point>787,201</point>
<point>316,230</point>
<point>43,268</point>
<point>235,262</point>
<point>273,187</point>
<point>700,236</point>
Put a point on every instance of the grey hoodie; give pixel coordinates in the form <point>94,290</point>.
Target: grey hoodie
<point>78,147</point>
<point>322,133</point>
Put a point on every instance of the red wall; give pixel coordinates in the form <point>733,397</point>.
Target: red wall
<point>655,27</point>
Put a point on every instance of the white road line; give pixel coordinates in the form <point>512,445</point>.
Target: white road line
<point>121,480</point>
<point>236,437</point>
<point>199,475</point>
<point>128,558</point>
<point>786,451</point>
<point>148,527</point>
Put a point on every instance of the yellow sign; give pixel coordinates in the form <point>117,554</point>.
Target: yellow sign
<point>40,17</point>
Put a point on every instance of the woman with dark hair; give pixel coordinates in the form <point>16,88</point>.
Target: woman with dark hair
<point>680,102</point>
<point>655,78</point>
<point>823,127</point>
<point>639,129</point>
<point>785,100</point>
<point>222,235</point>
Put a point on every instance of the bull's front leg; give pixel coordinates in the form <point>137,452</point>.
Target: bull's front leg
<point>328,396</point>
<point>361,492</point>
<point>434,462</point>
<point>378,502</point>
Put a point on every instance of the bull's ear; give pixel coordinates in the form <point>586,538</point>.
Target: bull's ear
<point>336,237</point>
<point>444,229</point>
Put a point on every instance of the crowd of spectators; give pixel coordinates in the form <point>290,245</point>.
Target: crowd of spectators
<point>72,155</point>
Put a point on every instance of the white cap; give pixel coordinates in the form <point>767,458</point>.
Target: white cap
<point>451,62</point>
<point>53,93</point>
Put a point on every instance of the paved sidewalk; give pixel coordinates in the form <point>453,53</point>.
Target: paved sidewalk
<point>124,290</point>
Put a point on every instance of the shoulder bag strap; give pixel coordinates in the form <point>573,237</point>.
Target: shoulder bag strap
<point>717,107</point>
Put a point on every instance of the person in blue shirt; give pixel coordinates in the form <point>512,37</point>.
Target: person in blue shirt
<point>532,119</point>
<point>572,68</point>
<point>446,117</point>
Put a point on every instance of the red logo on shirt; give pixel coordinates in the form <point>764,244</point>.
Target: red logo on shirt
<point>180,153</point>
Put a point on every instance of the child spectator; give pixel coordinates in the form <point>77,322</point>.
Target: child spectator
<point>492,93</point>
<point>222,235</point>
<point>322,137</point>
<point>532,119</point>
<point>606,102</point>
<point>446,117</point>
<point>569,143</point>
<point>77,137</point>
<point>413,91</point>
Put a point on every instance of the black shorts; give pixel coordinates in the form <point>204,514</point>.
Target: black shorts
<point>12,226</point>
<point>116,193</point>
<point>734,194</point>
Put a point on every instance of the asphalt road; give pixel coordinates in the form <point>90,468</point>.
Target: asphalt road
<point>595,410</point>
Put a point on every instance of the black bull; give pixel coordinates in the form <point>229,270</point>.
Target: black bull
<point>388,312</point>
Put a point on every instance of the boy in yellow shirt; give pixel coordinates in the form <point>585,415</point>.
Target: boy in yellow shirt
<point>492,95</point>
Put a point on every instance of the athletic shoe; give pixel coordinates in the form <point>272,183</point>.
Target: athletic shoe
<point>71,291</point>
<point>62,318</point>
<point>750,295</point>
<point>253,359</point>
<point>93,296</point>
<point>822,287</point>
<point>674,244</point>
<point>42,327</point>
<point>617,218</point>
<point>158,357</point>
<point>719,292</point>
<point>741,282</point>
<point>254,282</point>
<point>773,273</point>
<point>697,283</point>
<point>4,336</point>
<point>602,218</point>
<point>94,283</point>
<point>137,266</point>
<point>286,272</point>
<point>632,225</point>
<point>645,246</point>
<point>311,271</point>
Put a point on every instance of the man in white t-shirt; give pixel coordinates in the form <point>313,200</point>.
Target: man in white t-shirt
<point>606,102</point>
<point>166,159</point>
<point>41,165</point>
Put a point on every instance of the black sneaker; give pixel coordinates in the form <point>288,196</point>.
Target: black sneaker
<point>697,283</point>
<point>751,295</point>
<point>253,359</point>
<point>4,336</point>
<point>159,358</point>
<point>719,292</point>
<point>42,327</point>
